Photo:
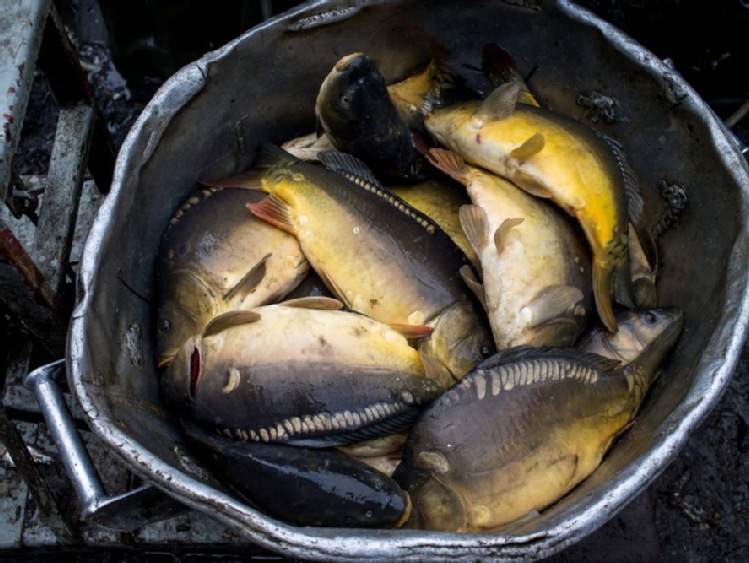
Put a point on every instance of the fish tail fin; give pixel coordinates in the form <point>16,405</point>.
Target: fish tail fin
<point>602,278</point>
<point>501,68</point>
<point>622,285</point>
<point>450,163</point>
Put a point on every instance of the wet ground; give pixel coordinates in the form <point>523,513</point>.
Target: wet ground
<point>698,509</point>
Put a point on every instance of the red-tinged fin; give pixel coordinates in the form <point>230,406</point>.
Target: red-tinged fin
<point>602,293</point>
<point>319,303</point>
<point>275,211</point>
<point>501,68</point>
<point>250,180</point>
<point>228,320</point>
<point>412,331</point>
<point>420,142</point>
<point>449,163</point>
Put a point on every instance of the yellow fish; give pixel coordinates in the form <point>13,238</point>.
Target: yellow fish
<point>552,156</point>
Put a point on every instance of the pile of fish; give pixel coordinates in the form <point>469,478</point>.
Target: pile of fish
<point>437,312</point>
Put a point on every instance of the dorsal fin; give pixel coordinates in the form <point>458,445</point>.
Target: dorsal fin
<point>500,67</point>
<point>631,185</point>
<point>500,104</point>
<point>349,165</point>
<point>319,303</point>
<point>521,353</point>
<point>360,174</point>
<point>228,320</point>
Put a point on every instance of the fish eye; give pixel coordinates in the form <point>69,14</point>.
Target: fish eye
<point>164,326</point>
<point>345,100</point>
<point>651,318</point>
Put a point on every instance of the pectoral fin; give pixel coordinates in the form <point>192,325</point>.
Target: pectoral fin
<point>412,331</point>
<point>320,303</point>
<point>530,147</point>
<point>552,302</point>
<point>501,234</point>
<point>228,320</point>
<point>248,283</point>
<point>450,163</point>
<point>474,222</point>
<point>275,211</point>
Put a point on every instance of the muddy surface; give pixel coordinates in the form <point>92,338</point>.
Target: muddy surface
<point>698,509</point>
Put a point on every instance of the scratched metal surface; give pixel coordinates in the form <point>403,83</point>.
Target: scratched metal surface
<point>675,137</point>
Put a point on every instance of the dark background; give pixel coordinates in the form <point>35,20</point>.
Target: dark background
<point>698,509</point>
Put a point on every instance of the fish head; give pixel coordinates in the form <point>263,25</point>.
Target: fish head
<point>353,90</point>
<point>460,340</point>
<point>187,306</point>
<point>643,335</point>
<point>434,504</point>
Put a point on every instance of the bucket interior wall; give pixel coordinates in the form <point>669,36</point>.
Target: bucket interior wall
<point>207,121</point>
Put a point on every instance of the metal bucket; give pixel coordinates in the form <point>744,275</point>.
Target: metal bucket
<point>207,121</point>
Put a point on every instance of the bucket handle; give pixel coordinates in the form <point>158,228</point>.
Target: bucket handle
<point>124,512</point>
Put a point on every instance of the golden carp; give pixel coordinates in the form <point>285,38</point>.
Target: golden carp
<point>552,156</point>
<point>460,338</point>
<point>300,372</point>
<point>376,253</point>
<point>522,430</point>
<point>214,258</point>
<point>535,282</point>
